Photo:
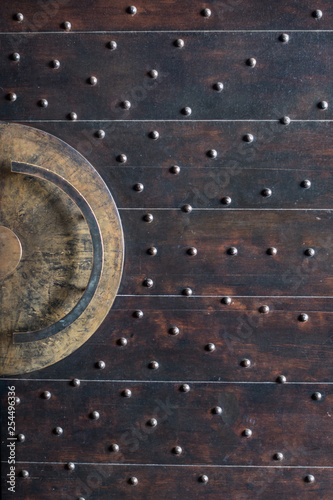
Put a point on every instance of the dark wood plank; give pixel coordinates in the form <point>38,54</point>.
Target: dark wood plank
<point>288,79</point>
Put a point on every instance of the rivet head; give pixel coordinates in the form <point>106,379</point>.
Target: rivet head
<point>100,365</point>
<point>317,14</point>
<point>24,474</point>
<point>92,80</point>
<point>114,447</point>
<point>94,415</point>
<point>248,138</point>
<point>122,158</point>
<point>217,410</point>
<point>281,379</point>
<point>148,282</point>
<point>177,450</point>
<point>21,438</point>
<point>122,342</point>
<point>19,17</point>
<point>179,43</point>
<point>232,251</point>
<point>15,56</point>
<point>264,309</point>
<point>43,103</point>
<point>11,96</point>
<point>306,184</point>
<point>70,466</point>
<point>55,64</point>
<point>251,62</point>
<point>46,395</point>
<point>247,433</point>
<point>148,218</point>
<point>271,251</point>
<point>72,116</point>
<point>154,135</point>
<point>187,209</point>
<point>218,86</point>
<point>66,25</point>
<point>278,456</point>
<point>226,200</point>
<point>212,153</point>
<point>133,481</point>
<point>152,422</point>
<point>17,400</point>
<point>153,73</point>
<point>132,10</point>
<point>245,363</point>
<point>303,317</point>
<point>284,38</point>
<point>100,134</point>
<point>317,396</point>
<point>138,187</point>
<point>285,120</point>
<point>322,105</point>
<point>206,12</point>
<point>175,169</point>
<point>187,291</point>
<point>187,111</point>
<point>203,479</point>
<point>126,393</point>
<point>226,300</point>
<point>125,104</point>
<point>152,251</point>
<point>153,365</point>
<point>309,252</point>
<point>58,431</point>
<point>76,382</point>
<point>112,45</point>
<point>185,388</point>
<point>192,251</point>
<point>174,330</point>
<point>309,478</point>
<point>210,347</point>
<point>266,193</point>
<point>138,314</point>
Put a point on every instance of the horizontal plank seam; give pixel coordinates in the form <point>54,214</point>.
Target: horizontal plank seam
<point>163,381</point>
<point>184,465</point>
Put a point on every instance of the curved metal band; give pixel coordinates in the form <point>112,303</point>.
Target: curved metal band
<point>98,252</point>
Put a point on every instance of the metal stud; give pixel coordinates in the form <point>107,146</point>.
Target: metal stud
<point>43,103</point>
<point>309,252</point>
<point>112,45</point>
<point>226,200</point>
<point>278,456</point>
<point>153,365</point>
<point>152,251</point>
<point>11,96</point>
<point>177,450</point>
<point>100,365</point>
<point>187,111</point>
<point>122,158</point>
<point>306,184</point>
<point>232,251</point>
<point>94,415</point>
<point>76,382</point>
<point>148,282</point>
<point>317,396</point>
<point>226,300</point>
<point>152,422</point>
<point>114,447</point>
<point>271,251</point>
<point>58,431</point>
<point>81,498</point>
<point>174,330</point>
<point>138,187</point>
<point>21,438</point>
<point>212,153</point>
<point>138,314</point>
<point>100,134</point>
<point>92,80</point>
<point>126,393</point>
<point>133,481</point>
<point>281,379</point>
<point>72,116</point>
<point>66,26</point>
<point>309,478</point>
<point>247,433</point>
<point>266,193</point>
<point>206,12</point>
<point>179,43</point>
<point>210,347</point>
<point>55,64</point>
<point>284,38</point>
<point>19,17</point>
<point>153,73</point>
<point>70,466</point>
<point>251,62</point>
<point>322,105</point>
<point>245,363</point>
<point>264,309</point>
<point>187,291</point>
<point>132,10</point>
<point>303,318</point>
<point>125,105</point>
<point>15,57</point>
<point>148,218</point>
<point>185,388</point>
<point>175,169</point>
<point>192,251</point>
<point>317,14</point>
<point>154,135</point>
<point>17,400</point>
<point>46,395</point>
<point>218,86</point>
<point>187,208</point>
<point>203,479</point>
<point>248,138</point>
<point>285,120</point>
<point>122,342</point>
<point>217,410</point>
<point>24,474</point>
